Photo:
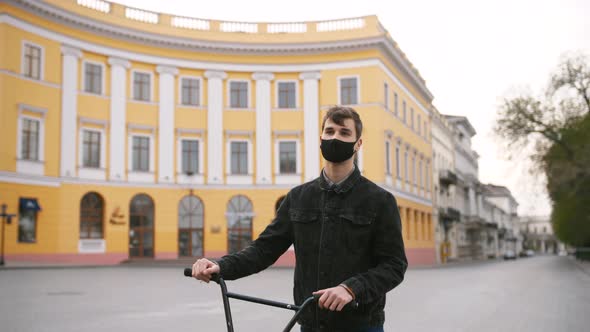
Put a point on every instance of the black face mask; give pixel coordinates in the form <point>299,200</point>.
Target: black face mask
<point>337,151</point>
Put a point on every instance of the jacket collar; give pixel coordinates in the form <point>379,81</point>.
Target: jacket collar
<point>344,186</point>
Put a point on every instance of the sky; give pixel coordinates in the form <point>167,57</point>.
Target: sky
<point>472,54</point>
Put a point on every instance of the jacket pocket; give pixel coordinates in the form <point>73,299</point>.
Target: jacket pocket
<point>357,229</point>
<point>303,216</point>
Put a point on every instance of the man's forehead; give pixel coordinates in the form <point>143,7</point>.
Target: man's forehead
<point>347,123</point>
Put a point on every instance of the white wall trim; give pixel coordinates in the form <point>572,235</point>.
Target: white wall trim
<point>228,105</point>
<point>200,79</point>
<point>132,83</point>
<point>41,60</point>
<point>297,103</point>
<point>358,88</point>
<point>102,78</point>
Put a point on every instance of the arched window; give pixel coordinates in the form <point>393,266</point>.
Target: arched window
<point>141,226</point>
<point>239,223</point>
<point>91,216</point>
<point>190,227</point>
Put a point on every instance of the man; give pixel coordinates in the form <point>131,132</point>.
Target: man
<point>347,237</point>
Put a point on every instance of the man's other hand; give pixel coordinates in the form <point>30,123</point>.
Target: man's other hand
<point>333,299</point>
<point>203,269</point>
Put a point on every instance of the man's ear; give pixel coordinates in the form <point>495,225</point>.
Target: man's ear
<point>358,144</point>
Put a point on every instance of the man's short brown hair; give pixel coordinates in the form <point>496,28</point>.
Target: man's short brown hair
<point>340,113</point>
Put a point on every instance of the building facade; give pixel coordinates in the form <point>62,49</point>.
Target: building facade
<point>538,235</point>
<point>129,134</point>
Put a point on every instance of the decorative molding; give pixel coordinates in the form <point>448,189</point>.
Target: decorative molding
<point>180,131</point>
<point>263,76</point>
<point>133,126</point>
<point>278,133</point>
<point>311,75</point>
<point>209,74</point>
<point>28,108</point>
<point>229,133</point>
<point>71,50</point>
<point>167,70</point>
<point>83,120</point>
<point>119,62</point>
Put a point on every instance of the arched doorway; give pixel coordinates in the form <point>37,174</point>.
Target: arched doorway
<point>141,227</point>
<point>239,223</point>
<point>91,216</point>
<point>190,227</point>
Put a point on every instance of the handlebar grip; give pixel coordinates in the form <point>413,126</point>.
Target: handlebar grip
<point>352,305</point>
<point>188,272</point>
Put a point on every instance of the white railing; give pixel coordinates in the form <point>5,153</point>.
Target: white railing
<point>239,27</point>
<point>141,15</point>
<point>190,23</point>
<point>286,28</point>
<point>347,24</point>
<point>101,6</point>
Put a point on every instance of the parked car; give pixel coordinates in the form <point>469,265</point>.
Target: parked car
<point>562,253</point>
<point>509,254</point>
<point>530,253</point>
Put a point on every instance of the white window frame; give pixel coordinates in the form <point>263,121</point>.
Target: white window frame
<point>199,177</point>
<point>398,165</point>
<point>395,104</point>
<point>90,172</point>
<point>140,176</point>
<point>358,88</point>
<point>132,82</point>
<point>102,76</point>
<point>42,60</point>
<point>248,95</point>
<point>33,167</point>
<point>200,79</point>
<point>239,178</point>
<point>281,178</point>
<point>296,94</point>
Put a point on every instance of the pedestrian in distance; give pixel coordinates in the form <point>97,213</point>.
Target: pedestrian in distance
<point>346,232</point>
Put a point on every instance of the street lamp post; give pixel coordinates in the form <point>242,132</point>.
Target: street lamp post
<point>8,218</point>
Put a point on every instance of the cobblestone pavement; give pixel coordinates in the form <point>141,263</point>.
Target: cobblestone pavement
<point>545,293</point>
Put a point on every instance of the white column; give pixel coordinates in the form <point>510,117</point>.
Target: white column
<point>117,137</point>
<point>166,124</point>
<point>311,119</point>
<point>263,131</point>
<point>215,126</point>
<point>69,108</point>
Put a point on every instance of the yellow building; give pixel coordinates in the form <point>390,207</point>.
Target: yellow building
<point>132,134</point>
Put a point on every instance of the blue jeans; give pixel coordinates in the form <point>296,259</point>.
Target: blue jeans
<point>370,329</point>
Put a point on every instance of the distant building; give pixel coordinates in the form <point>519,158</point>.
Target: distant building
<point>537,232</point>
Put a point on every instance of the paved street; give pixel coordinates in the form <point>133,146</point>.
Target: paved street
<point>532,294</point>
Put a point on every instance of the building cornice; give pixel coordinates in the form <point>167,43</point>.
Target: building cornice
<point>383,42</point>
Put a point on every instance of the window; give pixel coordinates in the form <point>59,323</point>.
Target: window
<point>91,216</point>
<point>420,173</point>
<point>190,156</point>
<point>287,157</point>
<point>27,220</point>
<point>404,112</point>
<point>190,91</point>
<point>141,226</point>
<point>406,166</point>
<point>141,154</point>
<point>427,176</point>
<point>287,95</point>
<point>395,102</point>
<point>91,149</point>
<point>30,139</point>
<point>190,227</point>
<point>93,78</point>
<point>425,130</point>
<point>239,223</point>
<point>32,61</point>
<point>238,94</point>
<point>141,86</point>
<point>411,118</point>
<point>397,164</point>
<point>386,96</point>
<point>239,157</point>
<point>348,91</point>
<point>414,170</point>
<point>387,158</point>
<point>419,125</point>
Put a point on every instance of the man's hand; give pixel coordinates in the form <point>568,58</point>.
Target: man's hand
<point>204,268</point>
<point>333,299</point>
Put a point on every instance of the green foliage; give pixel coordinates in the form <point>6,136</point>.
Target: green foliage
<point>558,130</point>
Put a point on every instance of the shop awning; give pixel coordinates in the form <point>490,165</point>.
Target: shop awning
<point>29,204</point>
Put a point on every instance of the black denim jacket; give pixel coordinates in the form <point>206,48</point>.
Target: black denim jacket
<point>350,234</point>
